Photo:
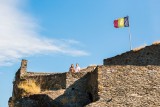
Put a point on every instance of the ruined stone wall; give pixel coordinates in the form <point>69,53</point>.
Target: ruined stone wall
<point>71,78</point>
<point>48,81</point>
<point>129,86</point>
<point>131,79</point>
<point>150,55</point>
<point>52,84</point>
<point>103,86</point>
<point>93,84</point>
<point>77,92</point>
<point>45,81</point>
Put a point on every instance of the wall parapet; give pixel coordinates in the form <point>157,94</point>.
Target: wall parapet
<point>150,55</point>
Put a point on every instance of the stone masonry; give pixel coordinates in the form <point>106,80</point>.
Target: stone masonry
<point>56,89</point>
<point>128,80</point>
<point>150,55</point>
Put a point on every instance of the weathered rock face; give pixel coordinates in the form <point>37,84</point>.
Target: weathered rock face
<point>149,55</point>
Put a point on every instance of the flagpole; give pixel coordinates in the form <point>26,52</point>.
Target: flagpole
<point>130,38</point>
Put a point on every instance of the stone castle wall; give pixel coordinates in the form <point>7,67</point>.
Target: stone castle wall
<point>48,81</point>
<point>128,86</point>
<point>150,55</point>
<point>128,80</point>
<point>76,86</point>
<point>103,86</point>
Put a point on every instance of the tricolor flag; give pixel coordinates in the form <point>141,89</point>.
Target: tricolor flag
<point>121,22</point>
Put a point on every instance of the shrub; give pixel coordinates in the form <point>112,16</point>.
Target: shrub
<point>29,87</point>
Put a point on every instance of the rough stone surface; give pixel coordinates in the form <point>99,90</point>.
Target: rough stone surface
<point>118,83</point>
<point>129,86</point>
<point>150,55</point>
<point>57,89</point>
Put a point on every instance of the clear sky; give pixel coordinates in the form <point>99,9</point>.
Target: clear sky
<point>52,34</point>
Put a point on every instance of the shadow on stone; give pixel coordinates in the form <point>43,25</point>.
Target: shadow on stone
<point>80,93</point>
<point>39,100</point>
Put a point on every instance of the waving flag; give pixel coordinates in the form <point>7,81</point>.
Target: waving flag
<point>121,22</point>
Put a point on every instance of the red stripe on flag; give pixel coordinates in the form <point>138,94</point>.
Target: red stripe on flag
<point>116,23</point>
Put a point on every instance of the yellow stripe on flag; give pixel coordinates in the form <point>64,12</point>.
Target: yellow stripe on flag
<point>121,22</point>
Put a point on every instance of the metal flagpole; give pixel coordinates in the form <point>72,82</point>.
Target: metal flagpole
<point>130,38</point>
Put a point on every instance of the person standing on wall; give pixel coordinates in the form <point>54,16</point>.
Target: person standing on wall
<point>77,68</point>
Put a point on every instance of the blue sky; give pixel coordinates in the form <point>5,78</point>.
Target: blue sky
<point>52,34</point>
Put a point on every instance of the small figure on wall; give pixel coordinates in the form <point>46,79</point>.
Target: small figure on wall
<point>77,68</point>
<point>71,69</point>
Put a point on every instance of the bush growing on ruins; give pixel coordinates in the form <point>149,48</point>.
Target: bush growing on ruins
<point>29,87</point>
